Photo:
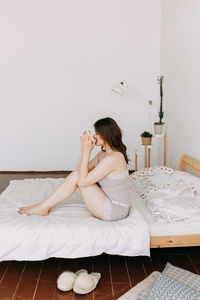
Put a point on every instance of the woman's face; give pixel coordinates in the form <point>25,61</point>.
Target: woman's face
<point>99,140</point>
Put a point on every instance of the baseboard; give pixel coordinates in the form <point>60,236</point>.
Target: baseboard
<point>35,172</point>
<point>43,172</point>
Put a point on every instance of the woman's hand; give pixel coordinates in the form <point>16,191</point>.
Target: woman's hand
<point>87,144</point>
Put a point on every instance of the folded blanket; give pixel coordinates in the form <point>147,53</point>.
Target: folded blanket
<point>169,195</point>
<point>173,202</point>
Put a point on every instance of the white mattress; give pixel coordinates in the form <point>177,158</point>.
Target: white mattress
<point>189,226</point>
<point>69,231</point>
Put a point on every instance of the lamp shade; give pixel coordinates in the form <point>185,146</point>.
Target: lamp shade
<point>119,88</point>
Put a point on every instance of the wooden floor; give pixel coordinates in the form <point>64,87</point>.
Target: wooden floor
<point>37,280</point>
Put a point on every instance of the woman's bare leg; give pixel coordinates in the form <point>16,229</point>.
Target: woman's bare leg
<point>94,199</point>
<point>92,195</point>
<point>62,192</point>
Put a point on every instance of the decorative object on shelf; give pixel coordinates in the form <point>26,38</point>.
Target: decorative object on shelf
<point>146,138</point>
<point>159,126</point>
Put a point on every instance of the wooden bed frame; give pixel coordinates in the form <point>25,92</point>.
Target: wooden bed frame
<point>179,240</point>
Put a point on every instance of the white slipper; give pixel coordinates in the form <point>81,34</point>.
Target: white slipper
<point>82,271</point>
<point>85,283</point>
<point>66,280</point>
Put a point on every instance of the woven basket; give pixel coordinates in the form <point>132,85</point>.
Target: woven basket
<point>146,140</point>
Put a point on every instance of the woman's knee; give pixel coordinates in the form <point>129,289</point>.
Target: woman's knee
<point>73,176</point>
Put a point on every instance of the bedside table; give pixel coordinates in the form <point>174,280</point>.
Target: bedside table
<point>147,152</point>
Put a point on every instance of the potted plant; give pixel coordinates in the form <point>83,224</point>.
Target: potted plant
<point>159,126</point>
<point>146,138</point>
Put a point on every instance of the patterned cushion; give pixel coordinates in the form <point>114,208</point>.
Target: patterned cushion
<point>146,179</point>
<point>166,288</point>
<point>183,276</point>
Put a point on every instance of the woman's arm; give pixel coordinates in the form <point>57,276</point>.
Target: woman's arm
<point>86,148</point>
<point>106,166</point>
<point>91,164</point>
<point>79,162</point>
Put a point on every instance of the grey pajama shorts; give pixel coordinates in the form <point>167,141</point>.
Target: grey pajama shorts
<point>114,211</point>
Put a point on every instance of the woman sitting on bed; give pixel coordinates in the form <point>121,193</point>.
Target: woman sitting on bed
<point>103,182</point>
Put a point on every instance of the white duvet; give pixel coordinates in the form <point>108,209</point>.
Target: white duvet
<point>69,231</point>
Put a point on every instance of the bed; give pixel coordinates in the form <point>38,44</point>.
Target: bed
<point>180,233</point>
<point>181,240</point>
<point>70,231</point>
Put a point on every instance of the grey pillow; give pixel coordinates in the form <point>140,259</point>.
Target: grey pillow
<point>165,288</point>
<point>183,276</point>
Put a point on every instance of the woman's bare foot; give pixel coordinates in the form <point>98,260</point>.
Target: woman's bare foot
<point>36,209</point>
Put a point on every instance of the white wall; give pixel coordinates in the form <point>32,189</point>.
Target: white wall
<point>58,62</point>
<point>180,63</point>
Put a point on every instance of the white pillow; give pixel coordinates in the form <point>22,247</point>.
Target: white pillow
<point>187,177</point>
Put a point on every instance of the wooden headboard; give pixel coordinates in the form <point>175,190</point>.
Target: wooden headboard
<point>193,164</point>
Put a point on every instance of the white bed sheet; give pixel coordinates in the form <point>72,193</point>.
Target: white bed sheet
<point>188,226</point>
<point>69,231</point>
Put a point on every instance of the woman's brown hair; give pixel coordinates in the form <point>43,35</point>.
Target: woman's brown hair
<point>110,132</point>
